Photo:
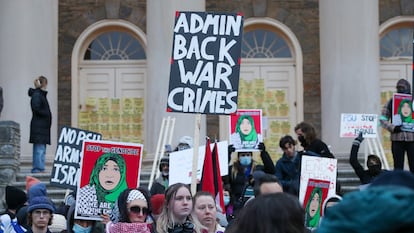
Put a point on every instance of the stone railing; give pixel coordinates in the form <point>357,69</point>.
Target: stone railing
<point>9,155</point>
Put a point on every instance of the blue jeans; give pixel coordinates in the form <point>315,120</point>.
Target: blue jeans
<point>39,153</point>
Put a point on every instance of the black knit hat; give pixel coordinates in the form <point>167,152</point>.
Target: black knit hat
<point>15,197</point>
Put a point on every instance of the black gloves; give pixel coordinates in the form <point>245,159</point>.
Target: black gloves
<point>358,139</point>
<point>261,146</point>
<point>397,129</point>
<point>231,149</point>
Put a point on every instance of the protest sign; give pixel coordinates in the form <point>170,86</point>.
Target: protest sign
<point>66,165</point>
<point>352,124</point>
<point>181,163</point>
<point>205,63</point>
<point>402,111</point>
<point>245,128</point>
<point>317,168</point>
<point>107,169</point>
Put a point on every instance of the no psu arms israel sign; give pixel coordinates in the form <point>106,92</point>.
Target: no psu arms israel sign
<point>205,63</point>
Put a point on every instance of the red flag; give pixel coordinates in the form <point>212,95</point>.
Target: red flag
<point>207,183</point>
<point>211,179</point>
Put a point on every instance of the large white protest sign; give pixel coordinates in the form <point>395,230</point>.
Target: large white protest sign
<point>66,165</point>
<point>205,63</point>
<point>181,163</point>
<point>352,124</point>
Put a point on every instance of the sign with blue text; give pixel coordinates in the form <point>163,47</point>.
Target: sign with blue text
<point>205,63</point>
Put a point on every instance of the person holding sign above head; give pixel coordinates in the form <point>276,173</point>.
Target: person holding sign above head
<point>242,172</point>
<point>373,163</point>
<point>245,135</point>
<point>401,141</point>
<point>107,181</point>
<point>176,213</point>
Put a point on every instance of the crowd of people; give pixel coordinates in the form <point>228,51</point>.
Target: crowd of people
<point>259,196</point>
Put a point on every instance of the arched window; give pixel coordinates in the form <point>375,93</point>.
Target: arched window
<point>263,43</point>
<point>397,43</point>
<point>115,45</point>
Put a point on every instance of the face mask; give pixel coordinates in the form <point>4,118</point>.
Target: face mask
<point>302,140</point>
<point>164,173</point>
<point>226,200</point>
<point>245,160</point>
<point>374,170</point>
<point>80,229</point>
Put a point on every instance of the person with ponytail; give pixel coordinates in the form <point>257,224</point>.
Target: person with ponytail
<point>40,123</point>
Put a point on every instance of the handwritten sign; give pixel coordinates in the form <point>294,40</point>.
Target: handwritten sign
<point>352,124</point>
<point>205,63</point>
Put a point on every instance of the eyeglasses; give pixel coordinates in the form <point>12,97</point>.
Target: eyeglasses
<point>138,210</point>
<point>41,213</point>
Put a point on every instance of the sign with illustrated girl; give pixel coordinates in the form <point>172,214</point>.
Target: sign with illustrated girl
<point>402,111</point>
<point>317,181</point>
<point>107,169</point>
<point>246,129</point>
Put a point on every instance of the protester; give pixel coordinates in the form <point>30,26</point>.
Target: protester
<point>176,213</point>
<point>40,214</point>
<point>270,213</point>
<point>161,183</point>
<point>133,214</point>
<point>40,123</point>
<point>373,163</point>
<point>310,143</point>
<point>80,225</point>
<point>241,174</point>
<point>205,210</point>
<point>36,190</point>
<point>185,142</point>
<point>385,206</point>
<point>15,199</point>
<point>228,203</point>
<point>287,167</point>
<point>157,201</point>
<point>401,141</point>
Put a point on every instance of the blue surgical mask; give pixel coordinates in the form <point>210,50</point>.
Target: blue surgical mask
<point>245,160</point>
<point>226,200</point>
<point>80,229</point>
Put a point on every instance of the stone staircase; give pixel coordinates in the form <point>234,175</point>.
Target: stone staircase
<point>57,194</point>
<point>346,175</point>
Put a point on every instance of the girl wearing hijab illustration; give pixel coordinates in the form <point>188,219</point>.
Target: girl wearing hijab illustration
<point>313,208</point>
<point>405,111</point>
<point>245,135</point>
<point>107,181</point>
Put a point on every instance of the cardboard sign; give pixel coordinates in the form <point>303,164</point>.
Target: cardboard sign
<point>352,124</point>
<point>317,168</point>
<point>402,111</point>
<point>205,63</point>
<point>107,169</point>
<point>246,129</point>
<point>181,163</point>
<point>66,166</point>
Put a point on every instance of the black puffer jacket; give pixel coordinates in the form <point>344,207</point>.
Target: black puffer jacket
<point>42,117</point>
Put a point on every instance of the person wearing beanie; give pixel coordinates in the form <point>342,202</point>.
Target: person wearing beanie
<point>36,190</point>
<point>15,199</point>
<point>157,201</point>
<point>185,142</point>
<point>402,141</point>
<point>373,163</point>
<point>40,214</point>
<point>161,183</point>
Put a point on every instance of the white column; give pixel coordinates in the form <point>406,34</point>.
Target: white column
<point>349,45</point>
<point>28,45</point>
<point>160,23</point>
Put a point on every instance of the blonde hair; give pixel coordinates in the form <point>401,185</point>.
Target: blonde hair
<point>166,218</point>
<point>40,82</point>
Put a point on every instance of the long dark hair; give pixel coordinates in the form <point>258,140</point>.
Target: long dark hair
<point>122,203</point>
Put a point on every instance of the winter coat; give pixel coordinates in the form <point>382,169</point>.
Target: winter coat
<point>381,209</point>
<point>288,172</point>
<point>41,117</point>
